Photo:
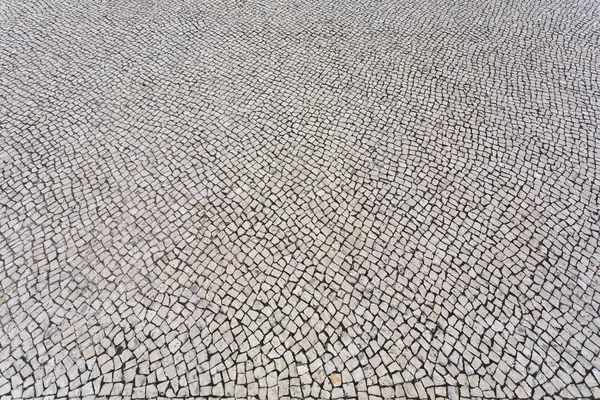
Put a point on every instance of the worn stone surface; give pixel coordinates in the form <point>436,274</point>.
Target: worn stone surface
<point>299,199</point>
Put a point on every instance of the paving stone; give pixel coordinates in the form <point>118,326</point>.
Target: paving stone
<point>299,199</point>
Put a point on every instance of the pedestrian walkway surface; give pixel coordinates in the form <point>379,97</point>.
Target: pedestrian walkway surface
<point>299,199</point>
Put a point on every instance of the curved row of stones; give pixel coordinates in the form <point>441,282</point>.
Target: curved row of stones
<point>299,199</point>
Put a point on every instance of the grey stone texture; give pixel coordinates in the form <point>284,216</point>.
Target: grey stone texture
<point>299,199</point>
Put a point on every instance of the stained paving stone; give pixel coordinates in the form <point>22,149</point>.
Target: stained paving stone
<point>299,199</point>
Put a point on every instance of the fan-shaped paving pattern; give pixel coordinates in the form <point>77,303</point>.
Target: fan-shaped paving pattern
<point>299,199</point>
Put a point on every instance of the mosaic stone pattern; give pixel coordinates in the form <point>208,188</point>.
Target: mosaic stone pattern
<point>299,199</point>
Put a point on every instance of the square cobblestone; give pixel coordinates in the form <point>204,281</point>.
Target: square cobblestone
<point>299,199</point>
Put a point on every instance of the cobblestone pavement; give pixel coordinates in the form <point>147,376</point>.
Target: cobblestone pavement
<point>299,199</point>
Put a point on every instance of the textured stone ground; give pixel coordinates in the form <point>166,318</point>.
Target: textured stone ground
<point>299,199</point>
